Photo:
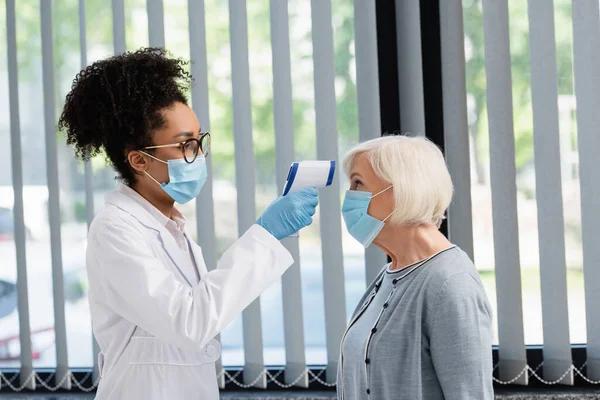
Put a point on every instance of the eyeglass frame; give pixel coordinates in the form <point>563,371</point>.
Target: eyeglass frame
<point>182,145</point>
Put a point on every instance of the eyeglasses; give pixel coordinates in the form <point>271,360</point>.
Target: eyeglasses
<point>190,148</point>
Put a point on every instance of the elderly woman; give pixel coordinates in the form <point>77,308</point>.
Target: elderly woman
<point>423,329</point>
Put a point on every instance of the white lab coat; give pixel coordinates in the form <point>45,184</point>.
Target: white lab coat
<point>154,328</point>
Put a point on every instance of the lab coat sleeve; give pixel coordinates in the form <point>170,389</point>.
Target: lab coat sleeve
<point>145,292</point>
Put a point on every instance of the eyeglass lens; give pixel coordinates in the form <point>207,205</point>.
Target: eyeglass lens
<point>193,146</point>
<point>205,144</point>
<point>190,151</point>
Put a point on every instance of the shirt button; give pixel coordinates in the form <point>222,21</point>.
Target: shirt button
<point>373,330</point>
<point>211,351</point>
<point>367,361</point>
<point>385,305</point>
<point>368,391</point>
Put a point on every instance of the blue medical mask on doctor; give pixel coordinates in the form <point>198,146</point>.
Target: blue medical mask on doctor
<point>185,179</point>
<point>359,223</point>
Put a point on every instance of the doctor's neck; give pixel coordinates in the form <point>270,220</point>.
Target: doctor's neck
<point>160,200</point>
<point>407,245</point>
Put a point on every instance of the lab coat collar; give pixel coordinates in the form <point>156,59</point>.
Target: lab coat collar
<point>126,201</point>
<point>176,216</point>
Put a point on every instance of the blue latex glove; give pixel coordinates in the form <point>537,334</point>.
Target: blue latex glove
<point>288,214</point>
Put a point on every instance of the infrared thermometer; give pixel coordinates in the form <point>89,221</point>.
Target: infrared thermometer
<point>308,174</point>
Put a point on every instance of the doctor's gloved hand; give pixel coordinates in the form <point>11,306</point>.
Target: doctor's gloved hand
<point>288,214</point>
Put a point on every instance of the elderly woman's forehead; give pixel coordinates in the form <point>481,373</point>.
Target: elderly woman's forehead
<point>362,165</point>
<point>362,160</point>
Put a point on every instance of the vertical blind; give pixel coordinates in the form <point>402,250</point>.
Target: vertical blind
<point>205,221</point>
<point>504,189</point>
<point>367,87</point>
<point>586,39</point>
<point>512,351</point>
<point>544,88</point>
<point>18,208</point>
<point>60,329</point>
<point>245,178</point>
<point>327,149</point>
<point>283,114</point>
<point>88,171</point>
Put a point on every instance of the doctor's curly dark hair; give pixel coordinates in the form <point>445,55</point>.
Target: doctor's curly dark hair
<point>115,104</point>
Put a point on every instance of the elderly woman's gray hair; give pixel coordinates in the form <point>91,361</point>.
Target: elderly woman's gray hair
<point>417,170</point>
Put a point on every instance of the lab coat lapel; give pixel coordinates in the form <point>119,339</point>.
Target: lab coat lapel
<point>177,256</point>
<point>169,245</point>
<point>198,257</point>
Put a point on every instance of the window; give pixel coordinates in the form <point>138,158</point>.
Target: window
<point>72,176</point>
<point>524,160</point>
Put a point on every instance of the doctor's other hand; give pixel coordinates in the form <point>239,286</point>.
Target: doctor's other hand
<point>288,214</point>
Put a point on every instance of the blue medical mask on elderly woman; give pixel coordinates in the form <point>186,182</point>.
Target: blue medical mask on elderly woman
<point>359,223</point>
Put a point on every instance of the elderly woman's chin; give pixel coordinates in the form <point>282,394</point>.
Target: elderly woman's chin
<point>423,328</point>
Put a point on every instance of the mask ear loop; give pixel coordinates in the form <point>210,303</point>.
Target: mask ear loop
<point>377,194</point>
<point>386,218</point>
<point>384,190</point>
<point>151,156</point>
<point>151,177</point>
<point>157,159</point>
